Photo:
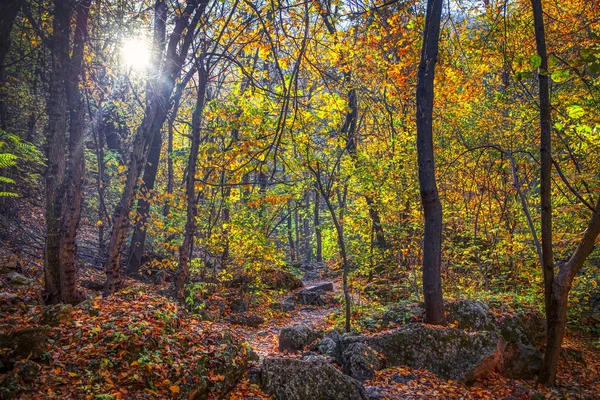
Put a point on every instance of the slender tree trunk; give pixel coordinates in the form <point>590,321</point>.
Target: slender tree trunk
<point>290,231</point>
<point>545,153</point>
<point>561,285</point>
<point>138,238</point>
<point>56,131</point>
<point>318,233</point>
<point>192,204</point>
<point>9,9</point>
<point>156,112</point>
<point>307,249</point>
<point>432,209</point>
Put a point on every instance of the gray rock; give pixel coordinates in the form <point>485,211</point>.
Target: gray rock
<point>239,306</point>
<point>58,314</point>
<point>310,298</point>
<point>521,357</point>
<point>246,320</point>
<point>295,338</point>
<point>16,279</point>
<point>360,361</point>
<point>471,314</point>
<point>326,287</point>
<point>328,347</point>
<point>450,353</point>
<point>7,297</point>
<point>292,379</point>
<point>403,379</point>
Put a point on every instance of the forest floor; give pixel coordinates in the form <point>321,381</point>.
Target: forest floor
<point>141,313</point>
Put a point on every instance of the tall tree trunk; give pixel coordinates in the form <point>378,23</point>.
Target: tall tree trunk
<point>138,238</point>
<point>9,9</point>
<point>545,154</point>
<point>432,208</point>
<point>318,233</point>
<point>65,175</point>
<point>156,112</point>
<point>290,235</point>
<point>192,203</point>
<point>56,133</point>
<point>306,233</point>
<point>556,313</point>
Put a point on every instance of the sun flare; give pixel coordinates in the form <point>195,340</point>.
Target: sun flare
<point>136,53</point>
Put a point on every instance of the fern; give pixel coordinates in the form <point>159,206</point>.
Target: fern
<point>7,160</point>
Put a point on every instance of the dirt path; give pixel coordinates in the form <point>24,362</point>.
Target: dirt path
<point>265,341</point>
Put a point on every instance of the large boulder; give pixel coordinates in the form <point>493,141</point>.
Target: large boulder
<point>521,357</point>
<point>360,361</point>
<point>58,314</point>
<point>281,280</point>
<point>450,353</point>
<point>16,279</point>
<point>309,297</point>
<point>470,314</point>
<point>295,338</point>
<point>26,343</point>
<point>293,379</point>
<point>325,286</point>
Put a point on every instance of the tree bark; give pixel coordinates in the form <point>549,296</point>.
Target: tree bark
<point>545,154</point>
<point>318,233</point>
<point>192,204</point>
<point>156,112</point>
<point>432,209</point>
<point>9,9</point>
<point>556,314</point>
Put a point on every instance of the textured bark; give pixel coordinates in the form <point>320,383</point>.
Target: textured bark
<point>556,314</point>
<point>65,175</point>
<point>545,153</point>
<point>155,114</point>
<point>192,202</point>
<point>432,208</point>
<point>318,233</point>
<point>9,9</point>
<point>290,234</point>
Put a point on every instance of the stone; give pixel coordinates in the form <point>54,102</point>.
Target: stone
<point>521,358</point>
<point>58,314</point>
<point>10,263</point>
<point>238,306</point>
<point>360,361</point>
<point>8,298</point>
<point>293,379</point>
<point>328,347</point>
<point>295,338</point>
<point>246,320</point>
<point>325,287</point>
<point>16,279</point>
<point>91,284</point>
<point>310,298</point>
<point>473,315</point>
<point>29,342</point>
<point>403,379</point>
<point>451,353</point>
<point>281,280</point>
<point>286,306</point>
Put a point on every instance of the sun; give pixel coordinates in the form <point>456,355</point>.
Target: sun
<point>136,53</point>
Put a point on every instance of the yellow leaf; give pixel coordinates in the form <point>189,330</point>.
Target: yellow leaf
<point>174,389</point>
<point>72,374</point>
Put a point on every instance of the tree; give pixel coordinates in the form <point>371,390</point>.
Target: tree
<point>65,175</point>
<point>430,199</point>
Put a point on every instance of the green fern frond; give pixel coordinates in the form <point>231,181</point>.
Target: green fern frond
<point>8,194</point>
<point>4,179</point>
<point>7,160</point>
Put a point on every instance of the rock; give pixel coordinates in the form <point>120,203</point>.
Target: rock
<point>27,370</point>
<point>8,298</point>
<point>29,343</point>
<point>360,361</point>
<point>471,314</point>
<point>91,284</point>
<point>374,393</point>
<point>292,379</point>
<point>281,280</point>
<point>246,319</point>
<point>521,359</point>
<point>241,281</point>
<point>238,306</point>
<point>88,307</point>
<point>450,353</point>
<point>295,338</point>
<point>16,279</point>
<point>310,298</point>
<point>58,314</point>
<point>325,287</point>
<point>310,356</point>
<point>311,276</point>
<point>403,379</point>
<point>328,347</point>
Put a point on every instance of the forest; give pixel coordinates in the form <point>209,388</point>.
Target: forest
<point>299,199</point>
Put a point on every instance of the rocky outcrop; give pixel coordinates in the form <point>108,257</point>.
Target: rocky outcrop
<point>450,353</point>
<point>471,314</point>
<point>281,280</point>
<point>293,379</point>
<point>521,357</point>
<point>26,343</point>
<point>295,338</point>
<point>246,320</point>
<point>360,361</point>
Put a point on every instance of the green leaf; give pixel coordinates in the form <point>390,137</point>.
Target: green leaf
<point>560,75</point>
<point>575,111</point>
<point>535,60</point>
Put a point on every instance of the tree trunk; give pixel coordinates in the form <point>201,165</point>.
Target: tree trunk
<point>318,233</point>
<point>290,231</point>
<point>432,209</point>
<point>192,204</point>
<point>9,9</point>
<point>156,112</point>
<point>545,154</point>
<point>556,314</point>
